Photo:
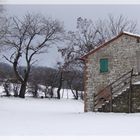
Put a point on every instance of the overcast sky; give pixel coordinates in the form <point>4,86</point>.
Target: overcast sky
<point>69,13</point>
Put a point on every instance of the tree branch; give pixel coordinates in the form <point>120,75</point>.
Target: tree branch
<point>7,59</point>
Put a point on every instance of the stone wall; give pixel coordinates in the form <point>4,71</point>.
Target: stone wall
<point>121,54</point>
<point>121,102</point>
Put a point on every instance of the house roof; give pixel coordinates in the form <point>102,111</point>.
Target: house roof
<point>106,43</point>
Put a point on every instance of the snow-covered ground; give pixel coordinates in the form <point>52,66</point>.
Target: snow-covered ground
<point>65,117</point>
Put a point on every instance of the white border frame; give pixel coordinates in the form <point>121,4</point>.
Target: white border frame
<point>69,1</point>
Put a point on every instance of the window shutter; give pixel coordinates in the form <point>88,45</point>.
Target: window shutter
<point>104,65</point>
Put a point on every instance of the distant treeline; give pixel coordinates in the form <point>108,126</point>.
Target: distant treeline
<point>46,76</point>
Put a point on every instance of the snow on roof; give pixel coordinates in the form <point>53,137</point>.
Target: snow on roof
<point>132,34</point>
<point>109,41</point>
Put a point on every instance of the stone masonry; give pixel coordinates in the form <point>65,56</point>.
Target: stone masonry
<point>121,102</point>
<point>121,53</point>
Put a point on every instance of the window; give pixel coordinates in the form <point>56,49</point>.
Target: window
<point>103,65</point>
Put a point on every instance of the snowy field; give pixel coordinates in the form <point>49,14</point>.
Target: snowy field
<point>65,117</point>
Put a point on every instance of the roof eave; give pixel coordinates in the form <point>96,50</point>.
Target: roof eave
<point>104,44</point>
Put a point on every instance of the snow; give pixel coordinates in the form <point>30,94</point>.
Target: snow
<point>64,93</point>
<point>136,83</point>
<point>132,34</point>
<point>65,117</point>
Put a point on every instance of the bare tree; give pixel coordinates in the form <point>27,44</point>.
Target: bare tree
<point>46,78</point>
<point>50,81</point>
<point>112,26</point>
<point>34,81</point>
<point>80,41</point>
<point>16,87</point>
<point>74,81</point>
<point>7,88</point>
<point>90,34</point>
<point>27,38</point>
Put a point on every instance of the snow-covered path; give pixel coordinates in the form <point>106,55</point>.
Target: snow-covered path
<point>65,117</point>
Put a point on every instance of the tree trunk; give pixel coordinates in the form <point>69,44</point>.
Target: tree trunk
<point>22,90</point>
<point>60,85</point>
<point>45,92</point>
<point>35,94</point>
<point>76,94</point>
<point>24,82</point>
<point>58,93</point>
<point>6,88</point>
<point>51,93</point>
<point>15,90</point>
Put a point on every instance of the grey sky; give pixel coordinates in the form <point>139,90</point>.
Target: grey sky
<point>69,13</point>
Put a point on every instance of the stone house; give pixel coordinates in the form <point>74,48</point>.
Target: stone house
<point>108,62</point>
